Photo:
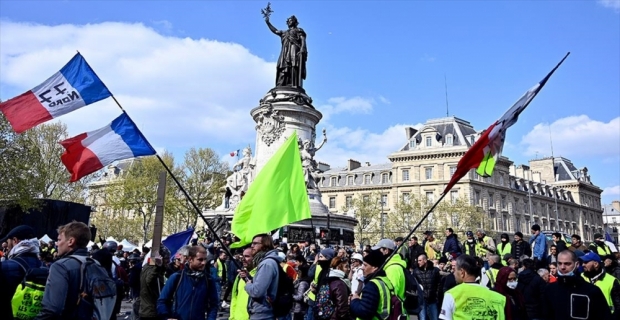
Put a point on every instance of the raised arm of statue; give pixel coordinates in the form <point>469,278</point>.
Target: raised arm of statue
<point>272,28</point>
<point>322,142</point>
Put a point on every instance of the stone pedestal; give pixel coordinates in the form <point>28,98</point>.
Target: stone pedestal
<point>282,111</point>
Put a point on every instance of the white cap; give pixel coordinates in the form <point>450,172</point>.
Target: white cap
<point>357,256</point>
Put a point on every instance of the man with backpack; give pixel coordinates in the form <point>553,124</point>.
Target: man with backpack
<point>191,292</point>
<point>71,280</point>
<point>378,299</point>
<point>22,256</point>
<point>394,268</point>
<point>263,287</point>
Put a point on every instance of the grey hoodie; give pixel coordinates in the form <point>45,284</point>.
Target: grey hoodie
<point>264,287</point>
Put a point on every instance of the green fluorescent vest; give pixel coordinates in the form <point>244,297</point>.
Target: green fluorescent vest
<point>503,252</point>
<point>605,284</point>
<point>384,285</point>
<point>474,301</point>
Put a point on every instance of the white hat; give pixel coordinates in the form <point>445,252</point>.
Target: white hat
<point>385,243</point>
<point>357,256</point>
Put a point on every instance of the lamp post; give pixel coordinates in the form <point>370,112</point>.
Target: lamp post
<point>382,220</point>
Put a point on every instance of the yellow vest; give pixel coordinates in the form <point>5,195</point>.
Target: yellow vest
<point>606,284</point>
<point>220,270</point>
<point>603,251</point>
<point>317,271</point>
<point>492,275</point>
<point>239,300</point>
<point>430,252</point>
<point>480,250</point>
<point>385,298</point>
<point>395,272</point>
<point>503,252</point>
<point>475,300</point>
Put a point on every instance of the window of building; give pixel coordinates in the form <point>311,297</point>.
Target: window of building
<point>430,197</point>
<point>429,173</point>
<point>406,197</point>
<point>412,144</point>
<point>476,175</point>
<point>333,181</point>
<point>384,200</point>
<point>429,141</point>
<point>452,171</point>
<point>385,178</point>
<point>350,180</point>
<point>491,201</point>
<point>454,195</point>
<point>332,202</point>
<point>348,201</point>
<point>449,140</point>
<point>367,179</point>
<point>472,139</point>
<point>477,197</point>
<point>504,204</point>
<point>501,180</point>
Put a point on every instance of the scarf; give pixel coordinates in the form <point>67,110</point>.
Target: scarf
<point>25,246</point>
<point>258,257</point>
<point>195,274</point>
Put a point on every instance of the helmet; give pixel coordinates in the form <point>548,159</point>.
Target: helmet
<point>110,246</point>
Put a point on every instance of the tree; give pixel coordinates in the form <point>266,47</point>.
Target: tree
<point>367,210</point>
<point>202,174</point>
<point>31,168</point>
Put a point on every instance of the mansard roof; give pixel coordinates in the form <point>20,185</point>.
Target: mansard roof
<point>460,130</point>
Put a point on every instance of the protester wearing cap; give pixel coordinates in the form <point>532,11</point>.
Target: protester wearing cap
<point>404,249</point>
<point>321,265</point>
<point>538,242</point>
<point>504,248</point>
<point>594,273</point>
<point>599,246</point>
<point>519,247</point>
<point>23,254</point>
<point>431,246</point>
<point>356,275</point>
<point>394,268</point>
<point>370,303</point>
<point>469,245</point>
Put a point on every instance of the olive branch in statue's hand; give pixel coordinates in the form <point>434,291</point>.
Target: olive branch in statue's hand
<point>267,11</point>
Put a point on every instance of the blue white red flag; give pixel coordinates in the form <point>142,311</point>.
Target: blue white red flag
<point>91,151</point>
<point>74,86</point>
<point>174,242</point>
<point>234,153</point>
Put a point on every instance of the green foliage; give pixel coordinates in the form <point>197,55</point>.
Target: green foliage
<point>367,211</point>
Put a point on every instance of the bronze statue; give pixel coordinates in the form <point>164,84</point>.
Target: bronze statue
<point>291,67</point>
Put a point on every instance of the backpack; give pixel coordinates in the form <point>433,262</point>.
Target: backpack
<point>324,304</point>
<point>283,302</point>
<point>395,309</point>
<point>97,291</point>
<point>26,302</point>
<point>414,295</point>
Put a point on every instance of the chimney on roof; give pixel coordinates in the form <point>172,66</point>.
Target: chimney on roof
<point>367,164</point>
<point>410,132</point>
<point>616,205</point>
<point>353,164</point>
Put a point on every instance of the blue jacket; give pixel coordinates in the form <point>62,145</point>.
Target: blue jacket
<point>231,269</point>
<point>264,287</point>
<point>14,273</point>
<point>190,300</point>
<point>366,307</point>
<point>61,289</point>
<point>540,248</point>
<point>451,245</point>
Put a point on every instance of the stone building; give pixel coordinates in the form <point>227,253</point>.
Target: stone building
<point>611,219</point>
<point>551,192</point>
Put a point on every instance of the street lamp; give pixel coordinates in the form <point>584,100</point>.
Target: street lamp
<point>382,220</point>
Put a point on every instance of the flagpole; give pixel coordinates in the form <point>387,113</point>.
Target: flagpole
<point>413,230</point>
<point>178,183</point>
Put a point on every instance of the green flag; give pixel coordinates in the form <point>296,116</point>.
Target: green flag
<point>276,198</point>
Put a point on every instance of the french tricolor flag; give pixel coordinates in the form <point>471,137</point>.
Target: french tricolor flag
<point>74,86</point>
<point>91,151</point>
<point>234,153</point>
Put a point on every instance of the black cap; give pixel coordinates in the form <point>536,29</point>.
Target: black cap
<point>374,258</point>
<point>22,232</point>
<point>598,236</point>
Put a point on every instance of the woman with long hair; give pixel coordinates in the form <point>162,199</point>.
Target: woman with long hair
<point>506,284</point>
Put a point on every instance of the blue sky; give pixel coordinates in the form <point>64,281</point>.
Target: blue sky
<point>189,72</point>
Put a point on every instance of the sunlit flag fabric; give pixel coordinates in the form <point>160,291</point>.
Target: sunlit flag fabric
<point>174,242</point>
<point>91,151</point>
<point>276,198</point>
<point>74,86</point>
<point>487,149</point>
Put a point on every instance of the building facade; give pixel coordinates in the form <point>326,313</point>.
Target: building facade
<point>611,219</point>
<point>551,192</point>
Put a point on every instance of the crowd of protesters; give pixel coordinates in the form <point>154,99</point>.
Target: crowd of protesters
<point>472,278</point>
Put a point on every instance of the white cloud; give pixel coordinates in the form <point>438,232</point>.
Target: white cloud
<point>181,91</point>
<point>362,145</point>
<point>354,105</point>
<point>613,4</point>
<point>612,191</point>
<point>575,136</point>
<point>384,100</point>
